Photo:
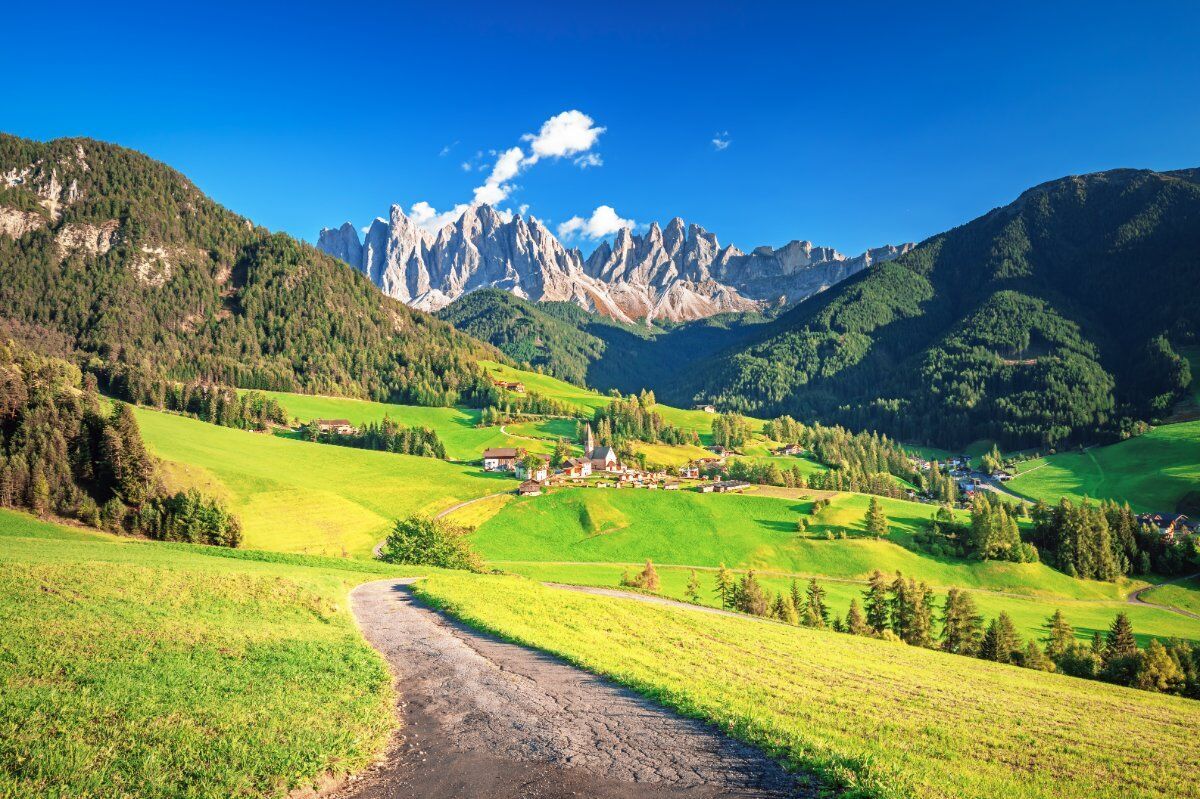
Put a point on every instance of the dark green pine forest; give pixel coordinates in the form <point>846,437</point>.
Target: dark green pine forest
<point>1053,320</point>
<point>191,292</point>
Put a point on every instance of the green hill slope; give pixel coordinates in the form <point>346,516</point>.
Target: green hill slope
<point>164,671</point>
<point>295,496</point>
<point>1151,472</point>
<point>1054,319</point>
<point>590,536</point>
<point>135,267</point>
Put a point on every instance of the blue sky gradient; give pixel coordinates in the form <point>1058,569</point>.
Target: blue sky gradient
<point>851,127</point>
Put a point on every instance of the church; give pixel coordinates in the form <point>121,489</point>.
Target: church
<point>603,459</point>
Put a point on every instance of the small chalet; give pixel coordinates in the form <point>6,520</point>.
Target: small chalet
<point>705,408</point>
<point>1003,476</point>
<point>725,486</point>
<point>510,385</point>
<point>340,426</point>
<point>789,449</point>
<point>690,472</point>
<point>530,489</point>
<point>501,459</point>
<point>538,474</point>
<point>721,452</point>
<point>1169,524</point>
<point>670,486</point>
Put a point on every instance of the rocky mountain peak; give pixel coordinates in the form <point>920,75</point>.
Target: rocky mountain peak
<point>677,272</point>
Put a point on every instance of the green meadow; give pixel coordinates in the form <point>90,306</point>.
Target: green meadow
<point>456,427</point>
<point>871,718</point>
<point>1151,472</point>
<point>297,496</point>
<point>152,670</point>
<point>687,528</point>
<point>591,536</point>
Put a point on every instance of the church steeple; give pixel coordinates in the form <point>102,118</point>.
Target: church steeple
<point>589,442</point>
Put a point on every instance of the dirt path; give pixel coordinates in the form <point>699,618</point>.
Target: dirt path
<point>617,593</point>
<point>1136,597</point>
<point>484,718</point>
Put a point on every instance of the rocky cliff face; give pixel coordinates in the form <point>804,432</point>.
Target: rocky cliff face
<point>677,273</point>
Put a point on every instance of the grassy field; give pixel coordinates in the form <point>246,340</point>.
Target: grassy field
<point>456,427</point>
<point>589,400</point>
<point>296,496</point>
<point>692,529</point>
<point>151,670</point>
<point>1151,471</point>
<point>590,536</point>
<point>1029,614</point>
<point>878,719</point>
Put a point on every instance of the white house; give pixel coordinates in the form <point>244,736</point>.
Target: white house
<point>538,474</point>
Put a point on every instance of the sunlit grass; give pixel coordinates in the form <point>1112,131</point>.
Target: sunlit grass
<point>873,718</point>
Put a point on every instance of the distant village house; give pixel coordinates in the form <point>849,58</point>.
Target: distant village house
<point>340,426</point>
<point>501,459</point>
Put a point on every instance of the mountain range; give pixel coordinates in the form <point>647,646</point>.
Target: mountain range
<point>675,273</point>
<point>1068,316</point>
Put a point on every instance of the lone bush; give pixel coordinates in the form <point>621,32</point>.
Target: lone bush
<point>423,541</point>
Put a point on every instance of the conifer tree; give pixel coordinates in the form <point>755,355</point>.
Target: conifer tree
<point>816,614</point>
<point>875,599</point>
<point>962,626</point>
<point>725,587</point>
<point>1060,636</point>
<point>1119,642</point>
<point>876,522</point>
<point>1000,640</point>
<point>856,624</point>
<point>693,588</point>
<point>648,578</point>
<point>750,596</point>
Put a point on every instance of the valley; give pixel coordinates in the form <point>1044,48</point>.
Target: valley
<point>263,517</point>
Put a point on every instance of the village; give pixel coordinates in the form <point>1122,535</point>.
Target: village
<point>600,467</point>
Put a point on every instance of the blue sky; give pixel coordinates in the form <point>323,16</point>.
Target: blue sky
<point>851,126</point>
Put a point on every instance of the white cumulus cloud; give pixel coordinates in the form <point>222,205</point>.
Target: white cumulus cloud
<point>568,133</point>
<point>604,221</point>
<point>721,141</point>
<point>565,135</point>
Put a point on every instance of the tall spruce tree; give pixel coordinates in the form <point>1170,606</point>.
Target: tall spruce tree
<point>962,626</point>
<point>1060,637</point>
<point>1000,641</point>
<point>875,600</point>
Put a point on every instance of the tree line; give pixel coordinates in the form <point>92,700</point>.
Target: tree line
<point>902,609</point>
<point>385,436</point>
<point>219,405</point>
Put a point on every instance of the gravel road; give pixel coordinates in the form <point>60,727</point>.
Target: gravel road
<point>486,718</point>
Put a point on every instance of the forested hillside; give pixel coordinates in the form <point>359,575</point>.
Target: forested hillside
<point>137,268</point>
<point>1053,320</point>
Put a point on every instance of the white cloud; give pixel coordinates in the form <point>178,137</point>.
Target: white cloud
<point>446,150</point>
<point>604,221</point>
<point>589,160</point>
<point>497,188</point>
<point>571,133</point>
<point>427,217</point>
<point>523,209</point>
<point>721,140</point>
<point>568,133</point>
